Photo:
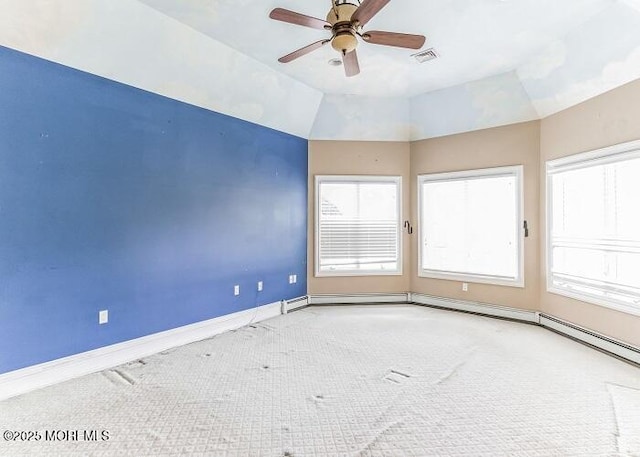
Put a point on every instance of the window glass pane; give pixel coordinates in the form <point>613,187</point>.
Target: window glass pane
<point>358,226</point>
<point>584,263</point>
<point>595,231</point>
<point>469,226</point>
<point>627,268</point>
<point>578,203</point>
<point>627,195</point>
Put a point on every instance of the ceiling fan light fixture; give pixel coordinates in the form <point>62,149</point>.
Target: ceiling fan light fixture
<point>344,42</point>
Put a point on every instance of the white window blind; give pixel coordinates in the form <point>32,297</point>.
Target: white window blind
<point>357,225</point>
<point>594,228</point>
<point>470,226</point>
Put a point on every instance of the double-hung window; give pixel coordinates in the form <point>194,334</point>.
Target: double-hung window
<point>593,227</point>
<point>471,226</point>
<point>358,225</point>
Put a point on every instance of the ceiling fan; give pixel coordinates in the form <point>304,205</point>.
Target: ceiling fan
<point>345,21</point>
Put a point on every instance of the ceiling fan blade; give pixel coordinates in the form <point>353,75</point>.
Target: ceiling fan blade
<point>351,65</point>
<point>303,51</point>
<point>280,14</point>
<point>399,40</point>
<point>368,9</point>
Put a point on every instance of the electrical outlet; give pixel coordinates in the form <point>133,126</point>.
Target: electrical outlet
<point>290,279</point>
<point>103,316</point>
<point>259,286</point>
<point>295,278</point>
<point>236,290</point>
<point>465,287</point>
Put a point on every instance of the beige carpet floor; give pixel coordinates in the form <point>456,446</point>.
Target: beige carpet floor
<point>346,381</point>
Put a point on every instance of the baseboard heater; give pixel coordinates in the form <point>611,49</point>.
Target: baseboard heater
<point>48,373</point>
<point>484,309</point>
<point>296,303</point>
<point>354,299</point>
<point>597,340</point>
<point>601,342</point>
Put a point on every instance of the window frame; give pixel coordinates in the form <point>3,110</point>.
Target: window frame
<point>603,156</point>
<point>513,170</point>
<point>397,181</point>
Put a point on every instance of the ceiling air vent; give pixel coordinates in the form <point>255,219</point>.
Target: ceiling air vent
<point>425,56</point>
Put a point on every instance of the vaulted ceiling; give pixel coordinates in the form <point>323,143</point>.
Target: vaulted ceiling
<point>501,61</point>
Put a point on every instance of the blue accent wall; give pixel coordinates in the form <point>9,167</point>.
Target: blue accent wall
<point>115,198</point>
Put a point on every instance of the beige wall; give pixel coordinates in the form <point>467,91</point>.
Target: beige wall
<point>606,120</point>
<point>511,145</point>
<point>358,158</point>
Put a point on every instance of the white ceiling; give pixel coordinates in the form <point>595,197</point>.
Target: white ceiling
<point>502,61</point>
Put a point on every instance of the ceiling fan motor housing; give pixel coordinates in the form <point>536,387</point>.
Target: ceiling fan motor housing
<point>344,34</point>
<point>341,12</point>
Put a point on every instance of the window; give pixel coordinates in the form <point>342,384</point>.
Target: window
<point>357,225</point>
<point>593,227</point>
<point>470,226</point>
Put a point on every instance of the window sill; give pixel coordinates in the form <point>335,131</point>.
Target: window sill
<point>338,274</point>
<point>479,279</point>
<point>620,307</point>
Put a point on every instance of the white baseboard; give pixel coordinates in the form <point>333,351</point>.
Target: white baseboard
<point>475,307</point>
<point>354,299</point>
<point>27,379</point>
<point>46,374</point>
<point>598,340</point>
